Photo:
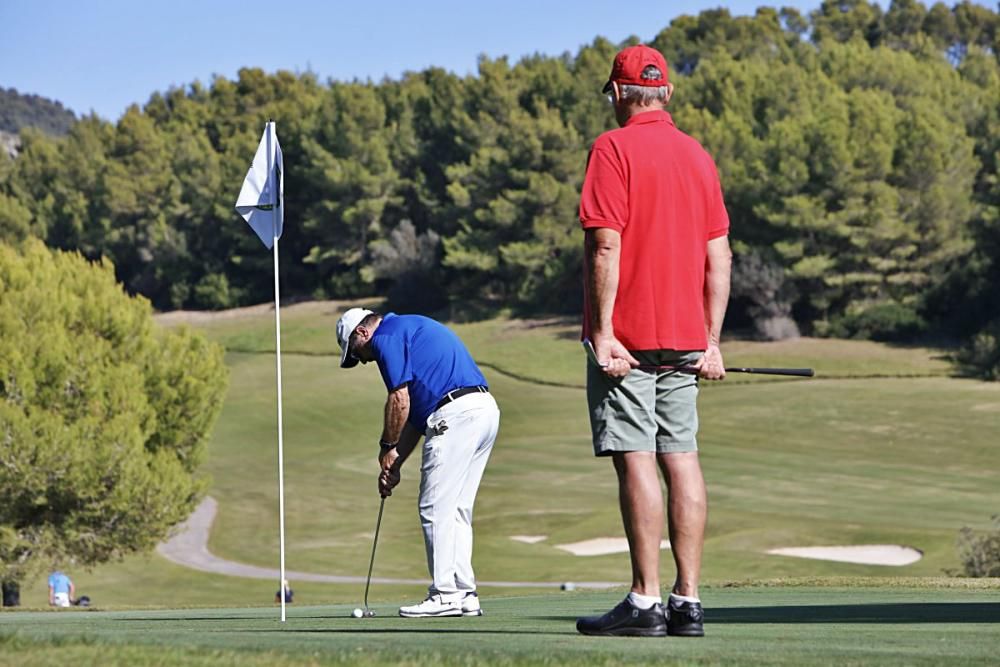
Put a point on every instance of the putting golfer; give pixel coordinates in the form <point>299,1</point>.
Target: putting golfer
<point>657,265</point>
<point>435,391</point>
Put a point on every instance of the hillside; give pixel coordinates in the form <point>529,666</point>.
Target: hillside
<point>881,448</point>
<point>19,110</point>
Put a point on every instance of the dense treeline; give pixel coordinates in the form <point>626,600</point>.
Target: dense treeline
<point>858,151</point>
<point>19,110</point>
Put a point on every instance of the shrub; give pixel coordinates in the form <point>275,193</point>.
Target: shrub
<point>888,321</point>
<point>981,356</point>
<point>410,260</point>
<point>762,284</point>
<point>103,416</point>
<point>980,551</point>
<point>212,292</point>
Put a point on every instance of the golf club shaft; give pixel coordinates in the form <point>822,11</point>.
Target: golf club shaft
<point>371,563</point>
<point>798,372</point>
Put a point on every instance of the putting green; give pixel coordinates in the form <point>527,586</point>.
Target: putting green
<point>790,626</point>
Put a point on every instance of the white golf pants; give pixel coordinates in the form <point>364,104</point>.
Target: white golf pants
<point>457,445</point>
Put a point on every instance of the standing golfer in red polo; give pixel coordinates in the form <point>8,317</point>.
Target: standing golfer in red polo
<point>657,264</point>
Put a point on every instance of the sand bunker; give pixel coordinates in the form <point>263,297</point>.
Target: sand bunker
<point>863,554</point>
<point>528,539</point>
<point>601,546</point>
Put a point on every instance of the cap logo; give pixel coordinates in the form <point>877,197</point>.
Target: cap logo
<point>629,64</point>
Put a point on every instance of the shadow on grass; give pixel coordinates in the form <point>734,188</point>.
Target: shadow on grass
<point>417,631</point>
<point>911,612</point>
<point>351,630</point>
<point>174,619</point>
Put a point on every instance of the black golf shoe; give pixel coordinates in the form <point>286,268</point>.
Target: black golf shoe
<point>626,620</point>
<point>685,619</point>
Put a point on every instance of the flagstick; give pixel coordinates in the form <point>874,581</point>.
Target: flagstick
<point>281,453</point>
<point>277,345</point>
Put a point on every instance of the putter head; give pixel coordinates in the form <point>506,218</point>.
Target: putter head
<point>369,613</point>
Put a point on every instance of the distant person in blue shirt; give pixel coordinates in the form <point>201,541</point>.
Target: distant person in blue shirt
<point>436,391</point>
<point>61,590</point>
<point>285,589</point>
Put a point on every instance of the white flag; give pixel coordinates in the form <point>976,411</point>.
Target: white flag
<point>261,200</point>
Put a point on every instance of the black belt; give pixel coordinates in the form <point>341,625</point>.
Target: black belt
<point>459,393</point>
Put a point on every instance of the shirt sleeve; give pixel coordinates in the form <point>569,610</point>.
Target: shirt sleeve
<point>604,199</point>
<point>393,358</point>
<point>717,220</point>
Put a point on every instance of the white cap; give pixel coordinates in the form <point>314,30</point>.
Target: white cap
<point>346,325</point>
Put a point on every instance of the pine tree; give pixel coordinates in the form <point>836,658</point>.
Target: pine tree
<point>103,416</point>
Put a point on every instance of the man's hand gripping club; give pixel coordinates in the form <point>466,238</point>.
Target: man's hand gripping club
<point>391,459</point>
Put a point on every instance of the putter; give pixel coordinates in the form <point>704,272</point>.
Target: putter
<point>798,372</point>
<point>368,613</point>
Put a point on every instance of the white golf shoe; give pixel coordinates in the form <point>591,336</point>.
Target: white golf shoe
<point>470,605</point>
<point>435,605</point>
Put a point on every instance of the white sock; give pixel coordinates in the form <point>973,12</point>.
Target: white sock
<point>683,598</point>
<point>643,601</point>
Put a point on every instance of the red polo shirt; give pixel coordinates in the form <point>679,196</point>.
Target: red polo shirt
<point>660,190</point>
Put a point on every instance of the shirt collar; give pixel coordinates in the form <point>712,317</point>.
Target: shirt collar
<point>385,318</point>
<point>658,116</point>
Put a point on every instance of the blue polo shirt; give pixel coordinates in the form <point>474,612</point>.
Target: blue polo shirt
<point>425,355</point>
<point>59,582</point>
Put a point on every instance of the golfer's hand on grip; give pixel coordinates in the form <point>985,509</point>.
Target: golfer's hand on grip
<point>616,361</point>
<point>387,457</point>
<point>387,481</point>
<point>711,366</point>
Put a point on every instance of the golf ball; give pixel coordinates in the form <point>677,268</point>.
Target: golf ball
<point>357,613</point>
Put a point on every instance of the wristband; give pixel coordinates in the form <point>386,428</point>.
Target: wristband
<point>386,445</point>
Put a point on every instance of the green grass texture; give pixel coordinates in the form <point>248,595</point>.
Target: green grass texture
<point>754,625</point>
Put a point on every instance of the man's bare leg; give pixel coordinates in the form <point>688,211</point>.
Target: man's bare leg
<point>641,503</point>
<point>642,513</point>
<point>687,512</point>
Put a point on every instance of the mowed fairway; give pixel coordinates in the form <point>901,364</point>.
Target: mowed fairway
<point>830,461</point>
<point>883,447</point>
<point>814,463</point>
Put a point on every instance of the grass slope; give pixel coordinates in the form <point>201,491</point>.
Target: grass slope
<point>835,460</point>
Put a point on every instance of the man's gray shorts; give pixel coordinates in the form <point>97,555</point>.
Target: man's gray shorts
<point>647,410</point>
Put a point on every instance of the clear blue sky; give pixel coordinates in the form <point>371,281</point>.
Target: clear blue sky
<point>103,55</point>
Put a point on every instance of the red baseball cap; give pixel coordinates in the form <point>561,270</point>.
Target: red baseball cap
<point>629,63</point>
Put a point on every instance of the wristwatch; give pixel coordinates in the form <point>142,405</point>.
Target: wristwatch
<point>386,445</point>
